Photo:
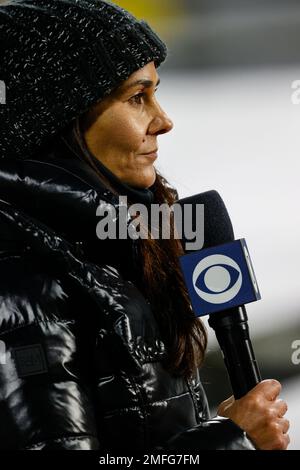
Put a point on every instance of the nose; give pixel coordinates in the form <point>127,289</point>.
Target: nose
<point>161,123</point>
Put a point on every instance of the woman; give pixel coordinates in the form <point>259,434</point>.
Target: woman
<point>102,348</point>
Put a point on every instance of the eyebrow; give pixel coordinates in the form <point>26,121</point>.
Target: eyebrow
<point>143,81</point>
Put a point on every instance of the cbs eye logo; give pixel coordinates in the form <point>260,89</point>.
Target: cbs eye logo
<point>217,279</point>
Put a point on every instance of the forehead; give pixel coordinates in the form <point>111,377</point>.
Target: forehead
<point>147,73</point>
<point>146,76</point>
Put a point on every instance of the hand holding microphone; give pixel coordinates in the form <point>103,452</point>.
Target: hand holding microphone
<point>220,280</point>
<point>260,413</point>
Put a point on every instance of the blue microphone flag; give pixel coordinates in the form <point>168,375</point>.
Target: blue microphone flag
<point>220,277</point>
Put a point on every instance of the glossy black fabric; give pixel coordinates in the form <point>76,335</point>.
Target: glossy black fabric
<point>84,356</point>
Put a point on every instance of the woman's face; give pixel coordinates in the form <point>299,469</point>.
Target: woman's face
<point>121,131</point>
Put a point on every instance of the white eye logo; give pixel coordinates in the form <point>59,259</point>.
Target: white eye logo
<point>217,279</point>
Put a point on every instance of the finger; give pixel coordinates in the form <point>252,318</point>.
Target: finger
<point>280,443</point>
<point>230,400</point>
<point>284,424</point>
<point>224,405</point>
<point>270,388</point>
<point>286,440</point>
<point>281,408</point>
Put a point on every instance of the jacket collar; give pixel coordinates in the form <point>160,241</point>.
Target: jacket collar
<point>62,193</point>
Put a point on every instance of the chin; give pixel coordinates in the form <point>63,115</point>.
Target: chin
<point>144,183</point>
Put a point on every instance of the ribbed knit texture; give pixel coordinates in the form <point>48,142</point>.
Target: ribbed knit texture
<point>58,58</point>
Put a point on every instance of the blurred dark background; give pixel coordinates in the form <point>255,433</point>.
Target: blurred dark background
<point>218,33</point>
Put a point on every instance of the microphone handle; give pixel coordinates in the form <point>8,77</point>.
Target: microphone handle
<point>232,332</point>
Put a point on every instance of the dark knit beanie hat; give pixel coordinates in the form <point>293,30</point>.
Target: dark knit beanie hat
<point>58,58</point>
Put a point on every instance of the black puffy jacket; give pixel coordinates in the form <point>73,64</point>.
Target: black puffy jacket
<point>81,352</point>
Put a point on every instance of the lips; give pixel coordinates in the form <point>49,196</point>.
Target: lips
<point>151,152</point>
<point>150,156</point>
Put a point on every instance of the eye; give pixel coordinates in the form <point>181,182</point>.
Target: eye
<point>137,99</point>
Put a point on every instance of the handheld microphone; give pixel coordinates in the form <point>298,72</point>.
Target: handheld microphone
<point>220,280</point>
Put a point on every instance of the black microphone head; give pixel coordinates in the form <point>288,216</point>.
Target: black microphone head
<point>217,224</point>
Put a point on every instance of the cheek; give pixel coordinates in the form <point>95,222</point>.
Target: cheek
<point>127,134</point>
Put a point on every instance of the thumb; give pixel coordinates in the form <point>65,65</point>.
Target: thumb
<point>270,388</point>
<point>225,405</point>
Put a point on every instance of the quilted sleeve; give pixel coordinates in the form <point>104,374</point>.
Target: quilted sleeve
<point>45,389</point>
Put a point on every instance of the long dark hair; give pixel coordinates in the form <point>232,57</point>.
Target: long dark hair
<point>184,334</point>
